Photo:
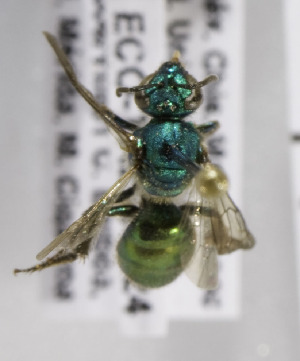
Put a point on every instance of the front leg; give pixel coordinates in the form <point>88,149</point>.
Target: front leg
<point>208,128</point>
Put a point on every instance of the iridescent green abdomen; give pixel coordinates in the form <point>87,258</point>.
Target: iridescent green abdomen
<point>156,245</point>
<point>162,173</point>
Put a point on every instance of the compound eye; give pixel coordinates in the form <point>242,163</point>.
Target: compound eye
<point>141,98</point>
<point>194,100</point>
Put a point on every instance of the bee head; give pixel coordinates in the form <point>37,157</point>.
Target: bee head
<point>170,92</point>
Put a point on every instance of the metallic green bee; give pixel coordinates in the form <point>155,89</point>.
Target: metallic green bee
<point>184,217</point>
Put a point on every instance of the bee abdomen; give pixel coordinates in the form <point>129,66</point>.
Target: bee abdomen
<point>153,252</point>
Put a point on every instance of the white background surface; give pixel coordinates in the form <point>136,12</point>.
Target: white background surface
<point>269,325</point>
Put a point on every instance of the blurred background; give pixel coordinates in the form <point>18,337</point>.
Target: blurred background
<point>268,327</point>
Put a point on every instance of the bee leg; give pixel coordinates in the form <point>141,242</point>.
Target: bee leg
<point>62,257</point>
<point>126,194</point>
<point>123,210</point>
<point>205,130</point>
<point>59,258</point>
<point>208,128</point>
<point>118,125</point>
<point>122,122</point>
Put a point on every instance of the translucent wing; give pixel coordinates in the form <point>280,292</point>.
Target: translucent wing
<point>230,227</point>
<point>219,228</point>
<point>76,240</point>
<point>112,121</point>
<point>202,269</point>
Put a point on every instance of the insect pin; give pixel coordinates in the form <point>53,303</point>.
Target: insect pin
<point>184,216</point>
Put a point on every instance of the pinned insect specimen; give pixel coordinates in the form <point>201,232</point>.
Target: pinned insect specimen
<point>184,216</point>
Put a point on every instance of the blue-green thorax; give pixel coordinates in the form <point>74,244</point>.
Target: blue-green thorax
<point>167,148</point>
<point>166,145</point>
